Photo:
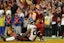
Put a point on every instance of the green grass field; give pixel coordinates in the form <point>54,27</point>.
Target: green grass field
<point>48,40</point>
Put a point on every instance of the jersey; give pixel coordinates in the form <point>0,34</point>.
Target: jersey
<point>2,21</point>
<point>17,20</point>
<point>47,20</point>
<point>8,21</point>
<point>33,32</point>
<point>62,21</point>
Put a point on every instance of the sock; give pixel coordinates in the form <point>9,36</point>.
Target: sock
<point>10,38</point>
<point>40,36</point>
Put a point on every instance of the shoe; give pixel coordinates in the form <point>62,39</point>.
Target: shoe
<point>53,36</point>
<point>4,39</point>
<point>38,39</point>
<point>62,37</point>
<point>41,40</point>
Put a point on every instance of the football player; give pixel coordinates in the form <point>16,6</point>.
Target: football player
<point>29,35</point>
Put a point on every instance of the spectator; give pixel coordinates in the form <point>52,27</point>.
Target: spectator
<point>62,25</point>
<point>47,21</point>
<point>2,25</point>
<point>20,12</point>
<point>17,24</point>
<point>8,24</point>
<point>13,8</point>
<point>8,11</point>
<point>1,10</point>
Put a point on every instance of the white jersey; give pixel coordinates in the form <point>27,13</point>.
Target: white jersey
<point>62,21</point>
<point>33,32</point>
<point>1,11</point>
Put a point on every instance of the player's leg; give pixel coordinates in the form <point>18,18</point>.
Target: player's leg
<point>26,33</point>
<point>0,30</point>
<point>3,30</point>
<point>18,29</point>
<point>9,30</point>
<point>41,29</point>
<point>9,39</point>
<point>41,32</point>
<point>22,38</point>
<point>6,30</point>
<point>13,36</point>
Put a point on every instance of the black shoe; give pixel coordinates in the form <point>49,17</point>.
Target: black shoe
<point>4,39</point>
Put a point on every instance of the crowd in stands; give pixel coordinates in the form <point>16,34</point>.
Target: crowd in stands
<point>16,14</point>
